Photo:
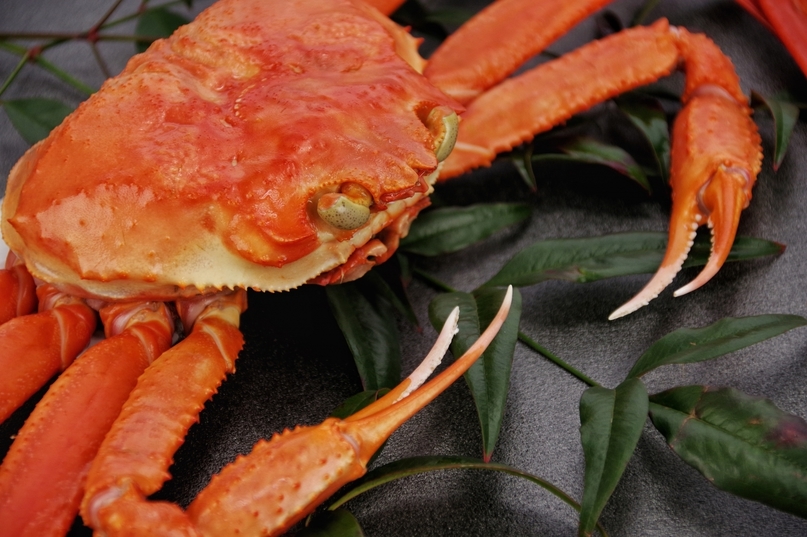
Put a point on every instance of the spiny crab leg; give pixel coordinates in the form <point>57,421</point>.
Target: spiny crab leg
<point>716,148</point>
<point>42,476</point>
<point>715,160</point>
<point>133,461</point>
<point>17,289</point>
<point>282,480</point>
<point>33,348</point>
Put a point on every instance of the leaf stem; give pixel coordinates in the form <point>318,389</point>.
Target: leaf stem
<point>524,338</point>
<point>417,465</point>
<point>45,64</point>
<point>100,59</point>
<point>643,12</point>
<point>14,72</point>
<point>428,278</point>
<point>106,16</point>
<point>549,355</point>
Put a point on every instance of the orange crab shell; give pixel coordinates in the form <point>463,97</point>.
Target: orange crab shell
<point>199,166</point>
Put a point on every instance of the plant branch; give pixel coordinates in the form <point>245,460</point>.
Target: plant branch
<point>14,72</point>
<point>106,16</point>
<point>100,60</point>
<point>45,64</point>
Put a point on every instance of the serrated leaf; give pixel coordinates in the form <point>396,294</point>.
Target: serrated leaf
<point>450,229</point>
<point>590,151</point>
<point>595,258</point>
<point>648,116</point>
<point>611,422</point>
<point>338,523</point>
<point>371,333</point>
<point>35,117</point>
<point>742,444</point>
<point>418,465</point>
<point>785,115</point>
<point>489,377</point>
<point>155,23</point>
<point>690,345</point>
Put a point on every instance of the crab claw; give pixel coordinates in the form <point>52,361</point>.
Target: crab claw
<point>287,477</point>
<point>718,203</point>
<point>715,160</point>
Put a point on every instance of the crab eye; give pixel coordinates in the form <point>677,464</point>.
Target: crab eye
<point>347,209</point>
<point>443,124</point>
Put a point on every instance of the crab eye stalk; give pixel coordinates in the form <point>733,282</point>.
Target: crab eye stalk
<point>443,124</point>
<point>347,209</point>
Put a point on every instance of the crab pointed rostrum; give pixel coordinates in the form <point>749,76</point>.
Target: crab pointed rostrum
<point>715,160</point>
<point>288,476</point>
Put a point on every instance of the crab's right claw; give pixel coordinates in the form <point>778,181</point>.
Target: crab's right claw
<point>715,160</point>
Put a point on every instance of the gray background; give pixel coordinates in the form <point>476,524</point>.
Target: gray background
<point>296,367</point>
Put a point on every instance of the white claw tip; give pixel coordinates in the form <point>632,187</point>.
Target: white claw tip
<point>435,356</point>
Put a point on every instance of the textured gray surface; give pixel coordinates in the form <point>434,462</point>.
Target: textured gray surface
<point>296,368</point>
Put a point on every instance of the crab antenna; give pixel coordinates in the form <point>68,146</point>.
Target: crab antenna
<point>372,430</point>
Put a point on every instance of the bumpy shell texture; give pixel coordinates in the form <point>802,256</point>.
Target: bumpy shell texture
<point>199,166</point>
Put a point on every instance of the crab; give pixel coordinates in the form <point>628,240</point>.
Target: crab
<point>328,191</point>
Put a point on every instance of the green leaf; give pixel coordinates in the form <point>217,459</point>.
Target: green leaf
<point>690,345</point>
<point>450,16</point>
<point>156,23</point>
<point>742,444</point>
<point>354,403</point>
<point>785,115</point>
<point>450,229</point>
<point>382,287</point>
<point>523,163</point>
<point>590,151</point>
<point>418,465</point>
<point>611,423</point>
<point>595,258</point>
<point>648,116</point>
<point>489,377</point>
<point>34,118</point>
<point>338,523</point>
<point>371,333</point>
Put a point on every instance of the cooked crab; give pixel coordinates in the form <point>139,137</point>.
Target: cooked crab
<point>270,144</point>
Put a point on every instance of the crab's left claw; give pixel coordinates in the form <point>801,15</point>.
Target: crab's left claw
<point>714,163</point>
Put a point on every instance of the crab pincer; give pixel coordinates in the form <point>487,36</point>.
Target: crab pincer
<point>279,482</point>
<point>715,161</point>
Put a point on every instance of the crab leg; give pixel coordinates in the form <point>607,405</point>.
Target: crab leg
<point>282,480</point>
<point>716,148</point>
<point>715,160</point>
<point>42,476</point>
<point>553,92</point>
<point>498,40</point>
<point>18,289</point>
<point>33,348</point>
<point>133,461</point>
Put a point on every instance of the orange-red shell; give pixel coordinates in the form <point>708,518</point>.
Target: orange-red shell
<point>197,166</point>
